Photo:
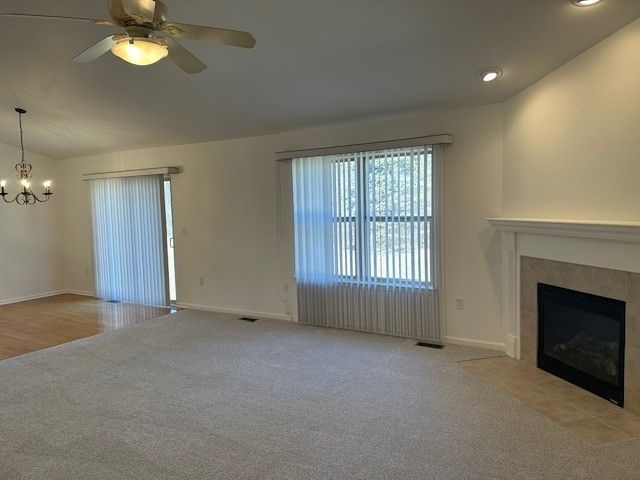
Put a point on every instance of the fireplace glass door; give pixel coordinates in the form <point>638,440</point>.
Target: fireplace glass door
<point>581,339</point>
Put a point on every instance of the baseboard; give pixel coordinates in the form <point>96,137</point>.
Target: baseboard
<point>278,316</point>
<point>475,343</point>
<point>233,311</point>
<point>84,293</point>
<point>512,346</point>
<point>36,296</point>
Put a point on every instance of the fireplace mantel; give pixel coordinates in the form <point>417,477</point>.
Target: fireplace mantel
<point>618,231</point>
<point>606,244</point>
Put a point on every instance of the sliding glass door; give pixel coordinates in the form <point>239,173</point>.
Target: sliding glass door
<point>130,239</point>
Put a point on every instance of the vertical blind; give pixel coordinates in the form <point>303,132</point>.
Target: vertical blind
<point>128,239</point>
<point>365,241</point>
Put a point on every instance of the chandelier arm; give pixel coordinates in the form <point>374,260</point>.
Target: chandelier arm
<point>28,197</point>
<point>39,200</point>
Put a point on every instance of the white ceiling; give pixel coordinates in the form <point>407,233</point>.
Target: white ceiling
<point>315,62</point>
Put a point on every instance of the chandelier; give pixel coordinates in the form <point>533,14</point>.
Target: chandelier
<point>25,195</point>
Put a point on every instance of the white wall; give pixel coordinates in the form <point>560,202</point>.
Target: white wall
<point>571,140</point>
<point>225,199</point>
<point>566,147</point>
<point>30,251</point>
<point>570,151</point>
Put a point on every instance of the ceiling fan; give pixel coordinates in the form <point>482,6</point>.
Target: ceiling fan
<point>148,35</point>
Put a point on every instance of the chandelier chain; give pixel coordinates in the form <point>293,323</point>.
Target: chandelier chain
<point>21,137</point>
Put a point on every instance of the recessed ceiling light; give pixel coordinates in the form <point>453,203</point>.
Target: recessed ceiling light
<point>585,3</point>
<point>490,74</point>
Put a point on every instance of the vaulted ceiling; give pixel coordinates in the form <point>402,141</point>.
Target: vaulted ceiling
<point>315,62</point>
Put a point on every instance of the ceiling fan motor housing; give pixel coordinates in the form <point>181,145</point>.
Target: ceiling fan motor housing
<point>127,13</point>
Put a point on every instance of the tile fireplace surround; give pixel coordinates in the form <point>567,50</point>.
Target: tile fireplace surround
<point>600,258</point>
<point>604,282</point>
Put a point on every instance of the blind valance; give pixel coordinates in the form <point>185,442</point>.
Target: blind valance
<point>441,139</point>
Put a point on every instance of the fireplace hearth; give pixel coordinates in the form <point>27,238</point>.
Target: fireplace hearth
<point>581,339</point>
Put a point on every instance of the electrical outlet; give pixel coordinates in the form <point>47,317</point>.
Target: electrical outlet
<point>459,303</point>
<point>184,232</point>
<point>201,280</point>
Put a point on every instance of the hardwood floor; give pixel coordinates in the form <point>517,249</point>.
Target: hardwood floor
<point>37,324</point>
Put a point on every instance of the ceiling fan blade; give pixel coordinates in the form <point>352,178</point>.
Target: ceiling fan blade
<point>183,58</point>
<point>211,34</point>
<point>96,51</point>
<point>97,21</point>
<point>143,11</point>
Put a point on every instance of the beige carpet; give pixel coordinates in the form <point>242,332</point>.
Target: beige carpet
<point>203,396</point>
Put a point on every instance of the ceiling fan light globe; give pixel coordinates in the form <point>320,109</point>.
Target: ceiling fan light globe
<point>140,51</point>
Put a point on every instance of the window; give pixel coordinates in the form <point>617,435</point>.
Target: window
<point>365,240</point>
<point>383,216</point>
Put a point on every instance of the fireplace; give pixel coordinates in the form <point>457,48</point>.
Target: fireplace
<point>581,339</point>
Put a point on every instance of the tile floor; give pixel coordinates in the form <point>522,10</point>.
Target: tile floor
<point>590,417</point>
